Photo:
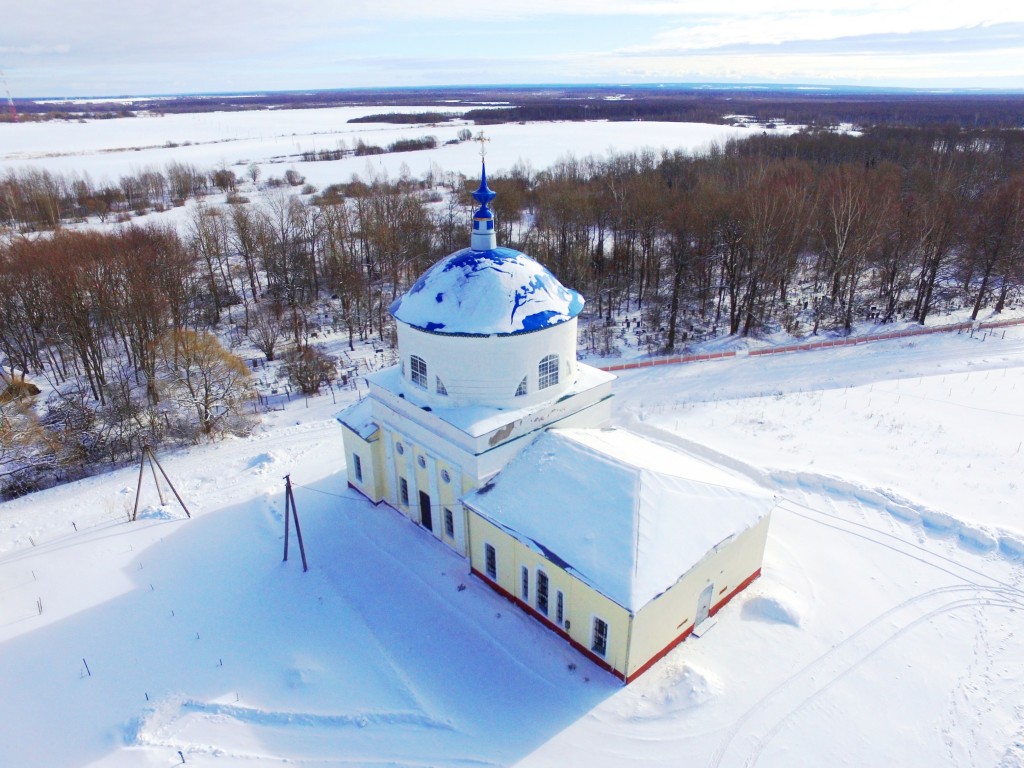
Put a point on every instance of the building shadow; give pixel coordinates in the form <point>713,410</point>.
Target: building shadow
<point>387,650</point>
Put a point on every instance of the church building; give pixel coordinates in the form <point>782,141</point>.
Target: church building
<point>494,438</point>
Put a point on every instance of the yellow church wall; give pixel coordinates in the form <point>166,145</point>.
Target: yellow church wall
<point>582,602</point>
<point>392,467</point>
<point>370,460</point>
<point>669,618</point>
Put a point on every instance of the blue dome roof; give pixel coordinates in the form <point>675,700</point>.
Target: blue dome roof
<point>482,293</point>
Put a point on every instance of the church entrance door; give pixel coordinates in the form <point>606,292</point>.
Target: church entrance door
<point>425,511</point>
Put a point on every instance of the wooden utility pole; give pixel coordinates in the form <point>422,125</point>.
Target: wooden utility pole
<point>154,464</point>
<point>289,507</point>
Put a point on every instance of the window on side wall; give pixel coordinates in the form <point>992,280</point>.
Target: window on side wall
<point>403,490</point>
<point>599,641</point>
<point>524,587</point>
<point>559,608</point>
<point>542,592</point>
<point>547,372</point>
<point>521,389</point>
<point>441,389</point>
<point>490,562</point>
<point>357,467</point>
<point>418,371</point>
<point>449,523</point>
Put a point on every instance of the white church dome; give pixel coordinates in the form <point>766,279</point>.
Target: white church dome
<point>482,293</point>
<point>487,326</point>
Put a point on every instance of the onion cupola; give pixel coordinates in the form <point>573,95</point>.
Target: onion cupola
<point>487,326</point>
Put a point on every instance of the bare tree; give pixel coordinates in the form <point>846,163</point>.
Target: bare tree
<point>310,368</point>
<point>266,332</point>
<point>202,378</point>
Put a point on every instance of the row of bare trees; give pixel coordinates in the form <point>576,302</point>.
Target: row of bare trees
<point>114,322</point>
<point>751,242</point>
<point>121,324</point>
<point>801,233</point>
<point>34,199</point>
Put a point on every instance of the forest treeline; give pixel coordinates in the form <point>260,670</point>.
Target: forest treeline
<point>801,233</point>
<point>914,110</point>
<point>668,102</point>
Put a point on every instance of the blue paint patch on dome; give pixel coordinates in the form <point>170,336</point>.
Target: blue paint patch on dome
<point>497,291</point>
<point>537,320</point>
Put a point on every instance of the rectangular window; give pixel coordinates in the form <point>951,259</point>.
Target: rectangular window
<point>491,562</point>
<point>357,466</point>
<point>559,608</point>
<point>449,523</point>
<point>599,643</point>
<point>542,592</point>
<point>403,490</point>
<point>418,371</point>
<point>524,587</point>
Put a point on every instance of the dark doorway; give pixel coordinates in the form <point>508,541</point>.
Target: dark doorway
<point>425,511</point>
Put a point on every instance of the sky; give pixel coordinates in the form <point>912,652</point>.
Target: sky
<point>68,48</point>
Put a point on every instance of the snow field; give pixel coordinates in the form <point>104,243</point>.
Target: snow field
<point>275,140</point>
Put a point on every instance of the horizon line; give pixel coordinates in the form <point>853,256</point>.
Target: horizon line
<point>806,88</point>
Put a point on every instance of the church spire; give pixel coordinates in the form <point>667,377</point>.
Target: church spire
<point>483,238</point>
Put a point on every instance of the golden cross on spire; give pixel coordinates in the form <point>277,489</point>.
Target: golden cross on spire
<point>483,146</point>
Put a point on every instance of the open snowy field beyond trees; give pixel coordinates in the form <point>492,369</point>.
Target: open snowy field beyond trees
<point>884,630</point>
<point>275,141</point>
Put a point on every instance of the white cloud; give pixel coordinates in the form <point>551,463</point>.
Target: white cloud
<point>782,24</point>
<point>62,47</point>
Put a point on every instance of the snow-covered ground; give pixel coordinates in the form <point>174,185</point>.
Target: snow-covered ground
<point>274,140</point>
<point>885,629</point>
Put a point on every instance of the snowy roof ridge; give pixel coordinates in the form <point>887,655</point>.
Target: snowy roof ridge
<point>630,527</point>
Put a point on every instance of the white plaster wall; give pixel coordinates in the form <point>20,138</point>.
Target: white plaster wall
<point>486,370</point>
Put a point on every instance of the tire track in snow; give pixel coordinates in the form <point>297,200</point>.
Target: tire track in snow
<point>771,712</point>
<point>899,545</point>
<point>983,590</point>
<point>978,590</point>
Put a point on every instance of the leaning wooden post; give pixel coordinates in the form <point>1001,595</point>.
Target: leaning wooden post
<point>138,488</point>
<point>156,482</point>
<point>289,504</point>
<point>153,458</point>
<point>287,511</point>
<point>298,530</point>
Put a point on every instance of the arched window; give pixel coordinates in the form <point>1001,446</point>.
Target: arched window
<point>542,592</point>
<point>547,372</point>
<point>418,368</point>
<point>521,389</point>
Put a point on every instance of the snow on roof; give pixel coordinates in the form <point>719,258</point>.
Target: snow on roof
<point>478,420</point>
<point>626,515</point>
<point>497,291</point>
<point>359,418</point>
